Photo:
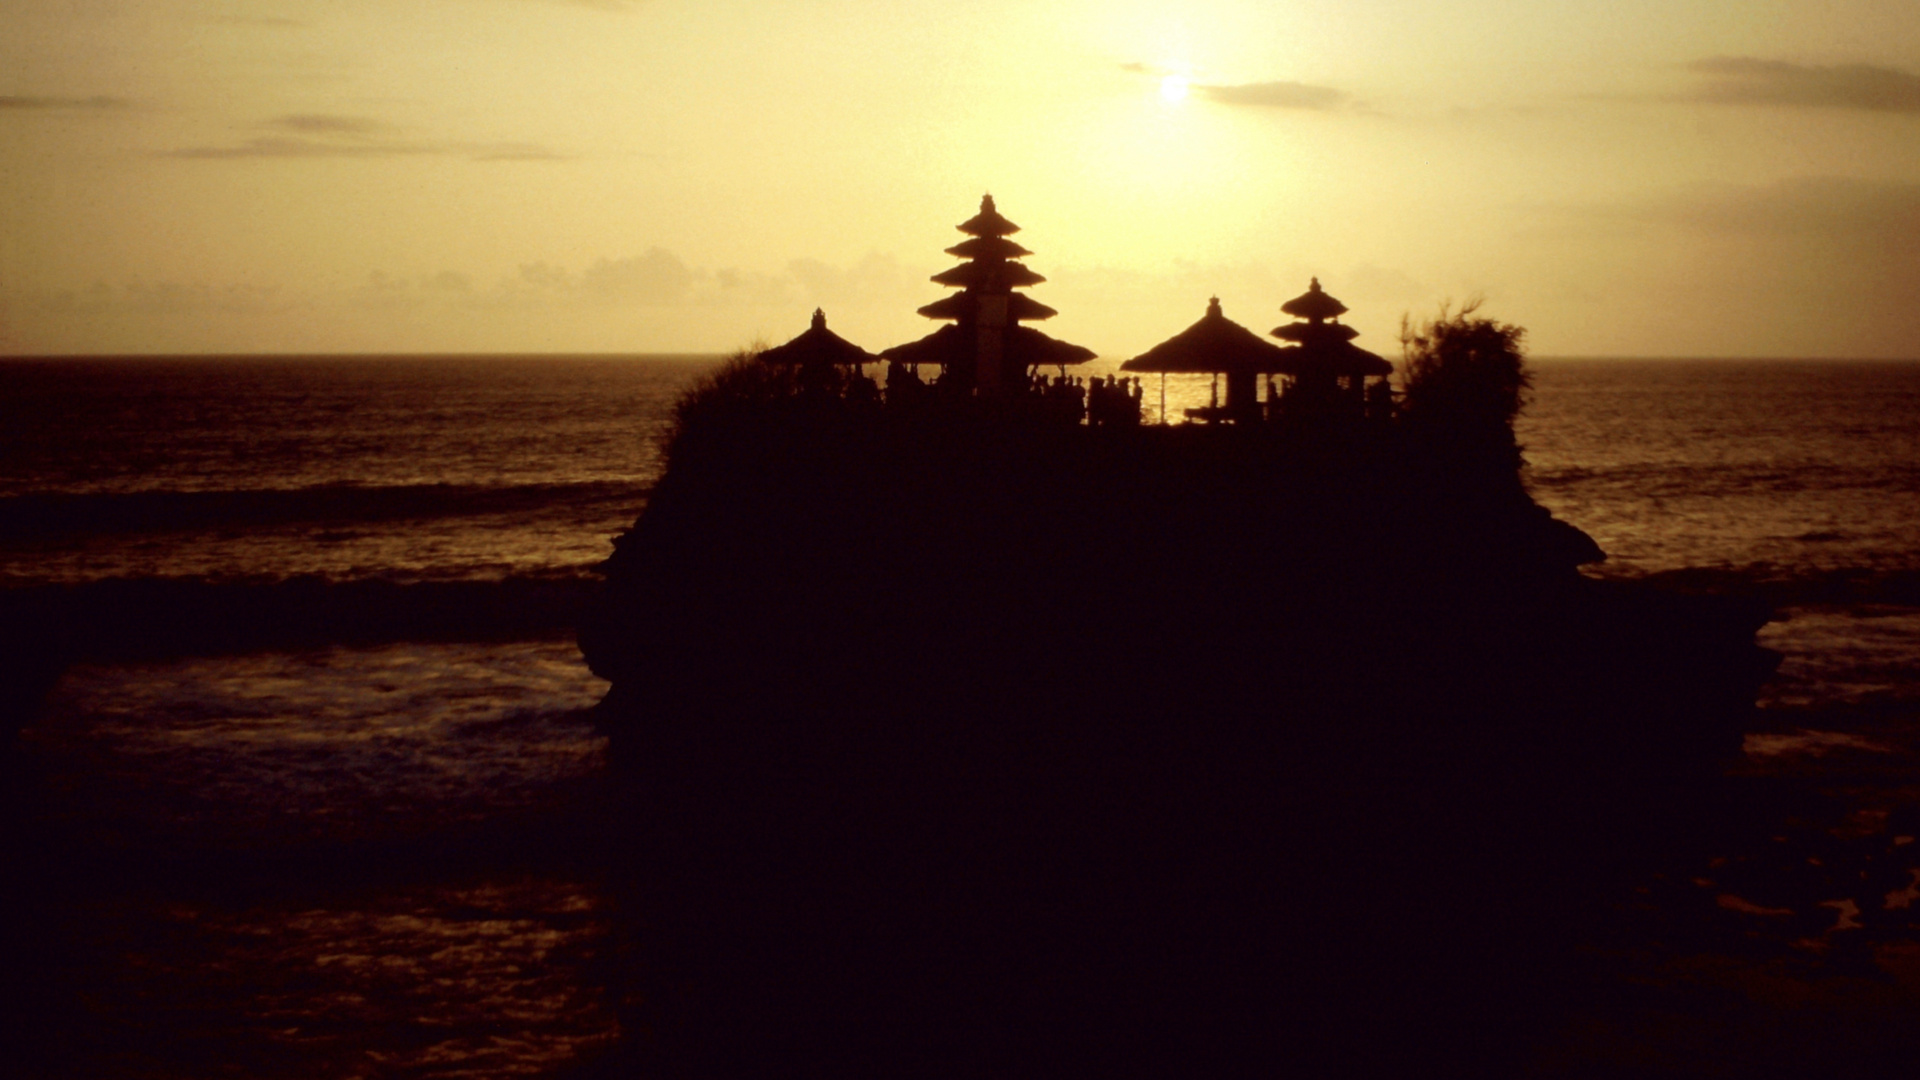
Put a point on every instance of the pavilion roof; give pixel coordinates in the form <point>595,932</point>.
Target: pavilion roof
<point>818,345</point>
<point>1215,344</point>
<point>944,346</point>
<point>1314,304</point>
<point>1036,349</point>
<point>952,345</point>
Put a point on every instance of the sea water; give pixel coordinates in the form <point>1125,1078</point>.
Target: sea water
<point>301,857</point>
<point>401,878</point>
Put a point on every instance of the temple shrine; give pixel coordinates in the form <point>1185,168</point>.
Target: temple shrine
<point>985,350</point>
<point>985,353</point>
<point>1218,346</point>
<point>816,354</point>
<point>1331,374</point>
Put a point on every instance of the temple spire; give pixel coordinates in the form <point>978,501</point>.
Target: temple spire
<point>1332,372</point>
<point>987,311</point>
<point>989,275</point>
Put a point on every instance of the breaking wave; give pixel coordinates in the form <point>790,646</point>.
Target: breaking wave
<point>41,517</point>
<point>125,618</point>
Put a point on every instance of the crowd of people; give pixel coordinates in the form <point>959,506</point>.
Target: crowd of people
<point>1102,401</point>
<point>1098,401</point>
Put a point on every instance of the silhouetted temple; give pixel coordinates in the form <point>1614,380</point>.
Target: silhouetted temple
<point>985,349</point>
<point>1331,373</point>
<point>985,353</point>
<point>1219,346</point>
<point>1323,374</point>
<point>816,352</point>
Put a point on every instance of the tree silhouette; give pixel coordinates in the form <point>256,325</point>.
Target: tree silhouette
<point>1465,379</point>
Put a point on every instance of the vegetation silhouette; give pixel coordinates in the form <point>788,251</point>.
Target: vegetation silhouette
<point>955,741</point>
<point>1465,380</point>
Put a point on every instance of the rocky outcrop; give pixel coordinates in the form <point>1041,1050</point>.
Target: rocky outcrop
<point>962,742</point>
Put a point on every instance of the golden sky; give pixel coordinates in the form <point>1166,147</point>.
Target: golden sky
<point>1622,177</point>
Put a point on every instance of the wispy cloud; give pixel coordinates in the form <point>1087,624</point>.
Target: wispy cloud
<point>1273,95</point>
<point>658,277</point>
<point>323,124</point>
<point>508,151</point>
<point>1260,95</point>
<point>279,146</point>
<point>1742,80</point>
<point>31,103</point>
<point>323,135</point>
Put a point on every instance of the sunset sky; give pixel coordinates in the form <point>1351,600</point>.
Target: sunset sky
<point>1627,177</point>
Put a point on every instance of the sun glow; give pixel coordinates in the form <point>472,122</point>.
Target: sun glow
<point>1173,88</point>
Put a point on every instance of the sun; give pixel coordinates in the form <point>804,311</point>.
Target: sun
<point>1173,88</point>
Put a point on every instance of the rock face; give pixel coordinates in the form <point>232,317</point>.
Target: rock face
<point>963,744</point>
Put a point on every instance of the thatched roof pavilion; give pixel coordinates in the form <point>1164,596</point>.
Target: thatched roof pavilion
<point>1219,346</point>
<point>1215,344</point>
<point>818,346</point>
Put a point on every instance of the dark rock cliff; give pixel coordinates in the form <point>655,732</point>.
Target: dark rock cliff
<point>963,743</point>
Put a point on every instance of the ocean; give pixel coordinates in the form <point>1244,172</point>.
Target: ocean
<point>316,794</point>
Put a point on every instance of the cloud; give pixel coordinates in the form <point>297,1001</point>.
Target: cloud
<point>271,146</point>
<point>875,280</point>
<point>321,124</point>
<point>1741,80</point>
<point>1262,95</point>
<point>1273,95</point>
<point>510,151</point>
<point>166,298</point>
<point>30,103</point>
<point>323,135</point>
<point>658,277</point>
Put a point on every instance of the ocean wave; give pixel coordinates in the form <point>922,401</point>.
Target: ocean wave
<point>1789,586</point>
<point>1693,479</point>
<point>143,618</point>
<point>41,517</point>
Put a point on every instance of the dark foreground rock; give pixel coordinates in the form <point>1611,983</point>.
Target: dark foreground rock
<point>960,745</point>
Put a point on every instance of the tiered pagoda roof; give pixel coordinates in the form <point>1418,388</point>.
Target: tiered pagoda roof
<point>1031,347</point>
<point>987,280</point>
<point>990,270</point>
<point>1326,347</point>
<point>1314,305</point>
